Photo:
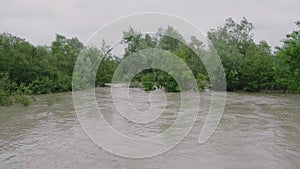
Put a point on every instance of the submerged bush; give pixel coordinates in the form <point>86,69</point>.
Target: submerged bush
<point>148,82</point>
<point>22,99</point>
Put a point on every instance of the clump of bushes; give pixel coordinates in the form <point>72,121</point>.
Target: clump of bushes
<point>24,100</point>
<point>4,98</point>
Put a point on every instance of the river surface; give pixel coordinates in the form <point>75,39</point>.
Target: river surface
<point>260,131</point>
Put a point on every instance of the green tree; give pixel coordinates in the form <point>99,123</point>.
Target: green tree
<point>172,41</point>
<point>248,66</point>
<point>288,63</point>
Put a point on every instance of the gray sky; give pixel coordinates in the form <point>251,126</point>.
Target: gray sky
<point>39,20</point>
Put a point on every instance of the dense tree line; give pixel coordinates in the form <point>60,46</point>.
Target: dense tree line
<point>249,66</point>
<point>253,67</point>
<point>26,69</point>
<point>172,42</point>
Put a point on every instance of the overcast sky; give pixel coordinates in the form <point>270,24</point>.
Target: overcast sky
<point>39,20</point>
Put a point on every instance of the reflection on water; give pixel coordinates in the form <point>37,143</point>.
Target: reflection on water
<point>257,131</point>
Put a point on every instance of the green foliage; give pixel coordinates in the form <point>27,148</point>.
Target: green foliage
<point>24,100</point>
<point>4,89</point>
<point>26,69</point>
<point>170,84</point>
<point>94,67</point>
<point>66,52</point>
<point>106,70</point>
<point>201,81</point>
<point>170,41</point>
<point>136,41</point>
<point>148,81</point>
<point>248,66</point>
<point>135,84</point>
<point>41,85</point>
<point>62,84</point>
<point>287,67</point>
<point>4,98</point>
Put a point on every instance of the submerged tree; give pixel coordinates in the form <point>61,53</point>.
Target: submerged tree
<point>171,41</point>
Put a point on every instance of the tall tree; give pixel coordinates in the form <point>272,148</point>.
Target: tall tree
<point>246,64</point>
<point>288,62</point>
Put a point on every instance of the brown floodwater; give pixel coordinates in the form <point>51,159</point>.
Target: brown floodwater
<point>256,131</point>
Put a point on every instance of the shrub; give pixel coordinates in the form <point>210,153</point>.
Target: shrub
<point>4,98</point>
<point>22,99</point>
<point>42,85</point>
<point>148,82</point>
